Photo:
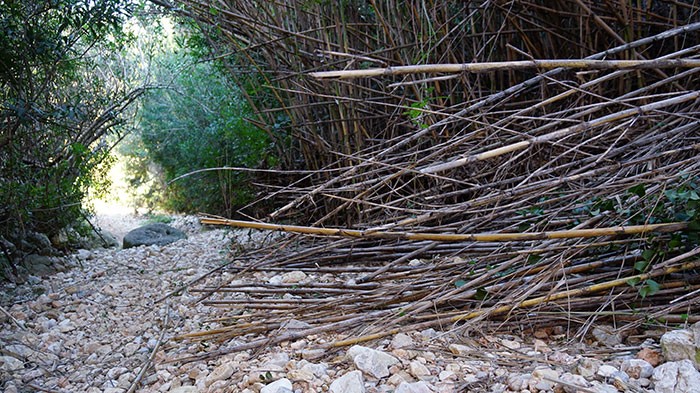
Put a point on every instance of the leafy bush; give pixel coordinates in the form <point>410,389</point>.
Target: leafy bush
<point>57,108</point>
<point>198,121</point>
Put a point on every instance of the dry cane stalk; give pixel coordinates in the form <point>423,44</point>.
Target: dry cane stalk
<point>451,237</point>
<point>510,65</point>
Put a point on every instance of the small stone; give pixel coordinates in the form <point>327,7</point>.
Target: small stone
<point>572,383</point>
<point>373,362</point>
<point>312,354</point>
<point>650,355</point>
<point>680,345</point>
<point>637,368</point>
<point>459,349</point>
<point>185,389</point>
<point>276,362</point>
<point>587,367</point>
<point>401,341</point>
<point>542,378</point>
<point>446,375</point>
<point>510,344</point>
<point>518,382</point>
<point>8,363</point>
<point>398,378</point>
<point>676,377</point>
<point>317,369</point>
<point>418,369</point>
<point>294,277</point>
<point>279,386</point>
<point>600,387</point>
<point>351,382</point>
<point>66,326</point>
<point>415,387</point>
<point>606,371</point>
<point>220,373</point>
<point>606,335</point>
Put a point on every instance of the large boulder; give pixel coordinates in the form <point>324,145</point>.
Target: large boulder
<point>159,234</point>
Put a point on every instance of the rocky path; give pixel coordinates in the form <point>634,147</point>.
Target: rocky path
<point>99,327</point>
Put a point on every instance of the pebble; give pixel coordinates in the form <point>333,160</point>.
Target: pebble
<point>351,382</point>
<point>279,386</point>
<point>371,361</point>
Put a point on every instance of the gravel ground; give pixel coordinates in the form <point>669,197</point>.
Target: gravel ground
<point>99,327</point>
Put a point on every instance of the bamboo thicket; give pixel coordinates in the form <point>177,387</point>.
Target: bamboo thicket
<point>463,117</point>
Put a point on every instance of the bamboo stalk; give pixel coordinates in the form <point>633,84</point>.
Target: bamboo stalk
<point>451,237</point>
<point>585,64</point>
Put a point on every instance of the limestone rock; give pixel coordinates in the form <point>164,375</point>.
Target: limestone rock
<point>587,367</point>
<point>371,361</point>
<point>279,386</point>
<point>682,344</point>
<point>676,377</point>
<point>418,369</point>
<point>184,389</point>
<point>351,382</point>
<point>8,363</point>
<point>147,235</point>
<point>415,387</point>
<point>572,382</point>
<point>606,335</point>
<point>637,368</point>
<point>220,373</point>
<point>401,341</point>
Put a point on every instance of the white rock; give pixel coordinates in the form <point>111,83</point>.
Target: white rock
<point>446,375</point>
<point>318,369</point>
<point>294,324</point>
<point>418,369</point>
<point>518,382</point>
<point>351,382</point>
<point>279,386</point>
<point>680,345</point>
<point>510,344</point>
<point>572,382</point>
<point>676,377</point>
<point>66,326</point>
<point>220,373</point>
<point>401,341</point>
<point>185,389</point>
<point>311,354</point>
<point>606,371</point>
<point>8,363</point>
<point>600,387</point>
<point>371,361</point>
<point>637,368</point>
<point>459,349</point>
<point>275,280</point>
<point>542,378</point>
<point>588,367</point>
<point>276,362</point>
<point>415,387</point>
<point>294,277</point>
<point>606,335</point>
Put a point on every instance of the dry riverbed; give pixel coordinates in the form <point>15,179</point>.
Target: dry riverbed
<point>103,326</point>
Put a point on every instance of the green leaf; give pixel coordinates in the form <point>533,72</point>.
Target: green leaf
<point>637,190</point>
<point>641,266</point>
<point>650,288</point>
<point>633,281</point>
<point>460,283</point>
<point>648,254</point>
<point>481,293</point>
<point>532,258</point>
